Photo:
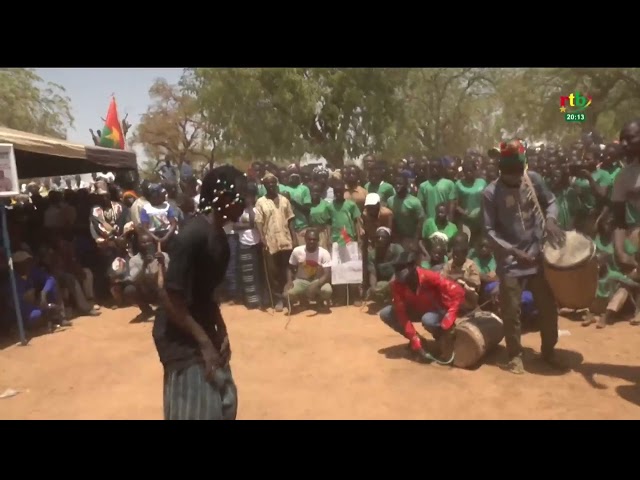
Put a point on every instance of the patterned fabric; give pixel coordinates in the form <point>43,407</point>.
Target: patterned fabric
<point>251,274</point>
<point>189,396</point>
<point>231,276</point>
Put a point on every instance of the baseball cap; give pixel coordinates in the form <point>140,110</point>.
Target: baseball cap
<point>371,199</point>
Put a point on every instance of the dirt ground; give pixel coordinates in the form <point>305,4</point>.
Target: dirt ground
<point>346,365</point>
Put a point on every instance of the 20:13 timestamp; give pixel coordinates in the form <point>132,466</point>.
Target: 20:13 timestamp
<point>574,117</point>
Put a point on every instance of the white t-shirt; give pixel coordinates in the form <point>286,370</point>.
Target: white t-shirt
<point>309,265</point>
<point>250,236</point>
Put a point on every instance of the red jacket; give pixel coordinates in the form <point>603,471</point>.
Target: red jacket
<point>434,293</point>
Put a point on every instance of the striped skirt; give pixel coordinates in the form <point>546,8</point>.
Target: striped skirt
<point>251,275</point>
<point>188,395</point>
<point>231,276</point>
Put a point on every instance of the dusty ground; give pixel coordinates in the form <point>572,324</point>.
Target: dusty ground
<point>347,365</point>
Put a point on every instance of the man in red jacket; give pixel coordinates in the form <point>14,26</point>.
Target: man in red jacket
<point>423,295</point>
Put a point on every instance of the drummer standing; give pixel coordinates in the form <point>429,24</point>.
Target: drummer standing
<point>514,229</point>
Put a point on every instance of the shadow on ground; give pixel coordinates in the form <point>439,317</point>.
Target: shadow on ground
<point>631,374</point>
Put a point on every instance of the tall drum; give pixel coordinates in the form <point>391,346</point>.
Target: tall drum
<point>572,271</point>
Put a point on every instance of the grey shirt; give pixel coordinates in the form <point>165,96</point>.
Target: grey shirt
<point>136,264</point>
<point>510,222</point>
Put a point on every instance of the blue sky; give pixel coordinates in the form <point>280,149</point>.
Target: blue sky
<point>90,91</point>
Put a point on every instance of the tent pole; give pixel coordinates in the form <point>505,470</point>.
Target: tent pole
<point>12,278</point>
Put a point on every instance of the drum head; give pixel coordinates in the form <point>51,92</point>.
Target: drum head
<point>576,250</point>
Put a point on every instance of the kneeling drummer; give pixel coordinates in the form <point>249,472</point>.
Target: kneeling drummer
<point>422,295</point>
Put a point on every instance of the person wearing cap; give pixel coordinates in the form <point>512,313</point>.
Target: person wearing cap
<point>514,228</point>
<point>375,215</point>
<point>422,295</point>
<point>381,259</point>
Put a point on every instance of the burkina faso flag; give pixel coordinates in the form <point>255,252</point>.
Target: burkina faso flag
<point>111,135</point>
<point>345,238</point>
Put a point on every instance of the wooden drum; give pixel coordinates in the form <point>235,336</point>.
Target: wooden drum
<point>572,271</point>
<point>476,335</point>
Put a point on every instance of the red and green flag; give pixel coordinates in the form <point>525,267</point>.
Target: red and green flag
<point>345,238</point>
<point>111,135</point>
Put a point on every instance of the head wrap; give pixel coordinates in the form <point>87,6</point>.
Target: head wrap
<point>269,175</point>
<point>512,153</point>
<point>383,229</point>
<point>130,194</point>
<point>337,175</point>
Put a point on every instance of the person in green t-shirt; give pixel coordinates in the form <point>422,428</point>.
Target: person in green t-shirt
<point>438,224</point>
<point>381,260</point>
<point>437,190</point>
<point>346,226</point>
<point>591,184</point>
<point>408,215</point>
<point>300,198</point>
<point>604,242</point>
<point>469,192</point>
<point>379,186</point>
<point>320,216</point>
<point>614,290</point>
<point>567,198</point>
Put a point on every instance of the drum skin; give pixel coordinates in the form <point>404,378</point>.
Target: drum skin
<point>476,335</point>
<point>572,271</point>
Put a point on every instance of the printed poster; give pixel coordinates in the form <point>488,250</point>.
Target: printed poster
<point>346,264</point>
<point>8,171</point>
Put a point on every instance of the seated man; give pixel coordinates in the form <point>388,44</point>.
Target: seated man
<point>420,294</point>
<point>463,270</point>
<point>37,310</point>
<point>142,283</point>
<point>381,261</point>
<point>309,273</point>
<point>437,257</point>
<point>614,291</point>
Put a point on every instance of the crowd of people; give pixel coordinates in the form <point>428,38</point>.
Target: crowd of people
<point>444,226</point>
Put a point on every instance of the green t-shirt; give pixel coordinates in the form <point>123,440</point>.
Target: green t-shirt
<point>385,269</point>
<point>608,284</point>
<point>302,195</point>
<point>429,228</point>
<point>568,203</point>
<point>485,265</point>
<point>407,213</point>
<point>320,215</point>
<point>629,249</point>
<point>432,193</point>
<point>470,198</point>
<point>262,191</point>
<point>343,218</point>
<point>385,190</point>
<point>587,198</point>
<point>283,188</point>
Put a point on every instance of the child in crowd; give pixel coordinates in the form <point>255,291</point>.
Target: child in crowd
<point>463,270</point>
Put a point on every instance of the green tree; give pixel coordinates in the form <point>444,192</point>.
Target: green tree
<point>30,104</point>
